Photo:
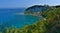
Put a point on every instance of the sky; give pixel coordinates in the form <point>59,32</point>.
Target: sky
<point>26,3</point>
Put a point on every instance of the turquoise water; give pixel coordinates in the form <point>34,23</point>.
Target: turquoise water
<point>19,20</point>
<point>9,18</point>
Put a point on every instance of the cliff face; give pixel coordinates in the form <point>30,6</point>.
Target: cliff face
<point>35,9</point>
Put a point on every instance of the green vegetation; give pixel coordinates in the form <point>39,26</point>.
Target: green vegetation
<point>50,25</point>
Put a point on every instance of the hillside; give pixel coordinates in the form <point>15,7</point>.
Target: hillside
<point>50,25</point>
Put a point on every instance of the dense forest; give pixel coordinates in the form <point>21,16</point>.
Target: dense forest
<point>50,25</point>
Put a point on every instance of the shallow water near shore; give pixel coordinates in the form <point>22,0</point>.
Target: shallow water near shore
<point>17,20</point>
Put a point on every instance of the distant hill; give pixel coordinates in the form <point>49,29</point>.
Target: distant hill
<point>36,8</point>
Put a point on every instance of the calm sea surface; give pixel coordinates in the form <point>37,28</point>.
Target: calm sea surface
<point>10,18</point>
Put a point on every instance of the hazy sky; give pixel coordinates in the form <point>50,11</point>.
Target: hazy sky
<point>25,3</point>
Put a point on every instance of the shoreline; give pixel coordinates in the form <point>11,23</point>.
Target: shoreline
<point>37,16</point>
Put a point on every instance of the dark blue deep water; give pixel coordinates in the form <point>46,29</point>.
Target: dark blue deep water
<point>10,18</point>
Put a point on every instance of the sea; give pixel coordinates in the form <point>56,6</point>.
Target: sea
<point>15,17</point>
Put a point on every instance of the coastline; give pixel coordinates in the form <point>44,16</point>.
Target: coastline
<point>37,16</point>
